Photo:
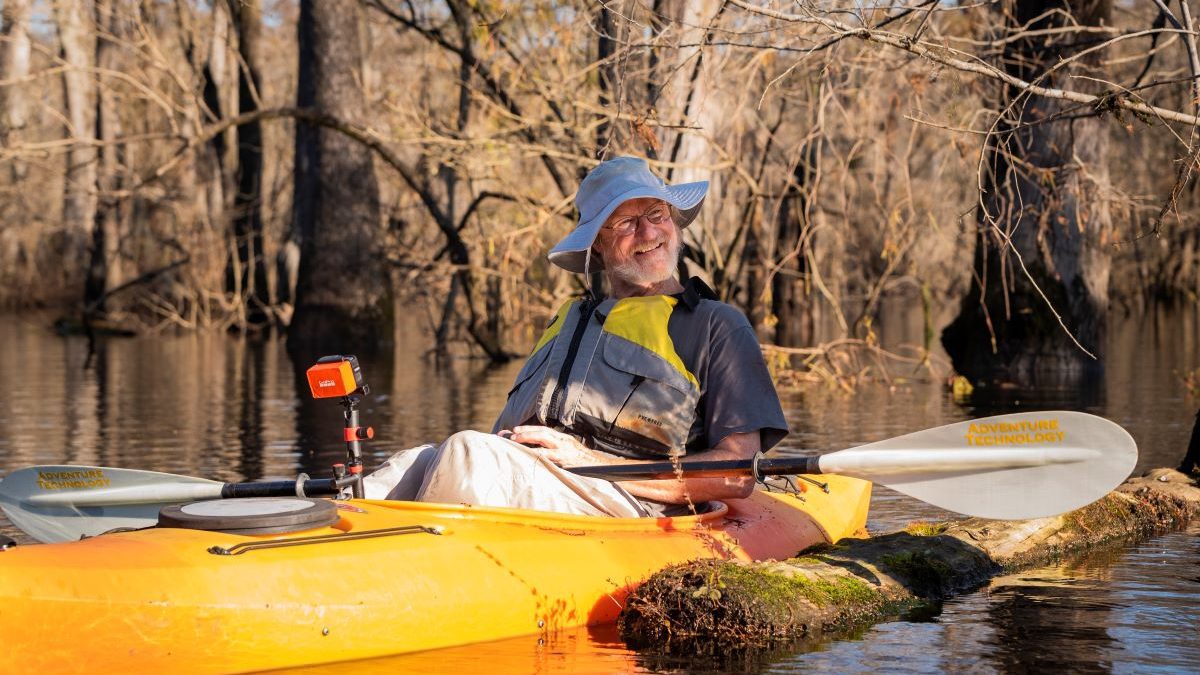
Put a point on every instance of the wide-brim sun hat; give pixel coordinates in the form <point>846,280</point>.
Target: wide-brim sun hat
<point>606,187</point>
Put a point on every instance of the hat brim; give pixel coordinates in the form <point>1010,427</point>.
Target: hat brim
<point>571,253</point>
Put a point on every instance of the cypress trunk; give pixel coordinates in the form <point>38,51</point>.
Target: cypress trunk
<point>1042,218</point>
<point>250,264</point>
<point>77,42</point>
<point>343,298</point>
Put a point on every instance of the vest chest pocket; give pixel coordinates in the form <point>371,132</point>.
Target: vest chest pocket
<point>636,403</point>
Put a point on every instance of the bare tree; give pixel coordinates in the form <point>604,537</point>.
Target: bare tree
<point>843,144</point>
<point>104,267</point>
<point>343,294</point>
<point>77,40</point>
<point>15,50</point>
<point>247,274</point>
<point>1040,297</point>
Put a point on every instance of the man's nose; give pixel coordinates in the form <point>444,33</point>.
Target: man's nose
<point>647,229</point>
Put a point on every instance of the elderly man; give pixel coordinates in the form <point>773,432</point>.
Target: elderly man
<point>658,369</point>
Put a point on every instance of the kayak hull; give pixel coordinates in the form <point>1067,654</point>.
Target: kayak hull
<point>387,578</point>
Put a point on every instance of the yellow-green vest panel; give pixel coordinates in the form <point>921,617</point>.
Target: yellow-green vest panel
<point>615,379</point>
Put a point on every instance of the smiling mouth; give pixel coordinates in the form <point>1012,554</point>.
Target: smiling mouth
<point>651,250</point>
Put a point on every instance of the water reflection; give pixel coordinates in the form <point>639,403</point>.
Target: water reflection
<point>578,650</point>
<point>1121,611</point>
<point>237,409</point>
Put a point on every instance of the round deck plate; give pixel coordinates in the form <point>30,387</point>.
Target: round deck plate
<point>257,515</point>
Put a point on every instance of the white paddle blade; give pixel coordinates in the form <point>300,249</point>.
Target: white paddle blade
<point>1009,467</point>
<point>64,503</point>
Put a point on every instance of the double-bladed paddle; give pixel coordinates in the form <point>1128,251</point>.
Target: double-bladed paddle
<point>1011,467</point>
<point>1024,465</point>
<point>64,503</point>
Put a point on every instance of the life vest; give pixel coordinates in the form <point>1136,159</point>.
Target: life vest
<point>608,373</point>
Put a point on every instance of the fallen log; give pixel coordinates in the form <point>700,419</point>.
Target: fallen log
<point>715,607</point>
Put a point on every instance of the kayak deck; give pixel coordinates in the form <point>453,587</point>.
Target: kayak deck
<point>387,578</point>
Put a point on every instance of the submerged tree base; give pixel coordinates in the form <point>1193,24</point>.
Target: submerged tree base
<point>713,607</point>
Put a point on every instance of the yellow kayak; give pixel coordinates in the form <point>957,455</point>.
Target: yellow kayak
<point>385,578</point>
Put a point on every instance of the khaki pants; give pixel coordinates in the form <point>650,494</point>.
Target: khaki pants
<point>482,469</point>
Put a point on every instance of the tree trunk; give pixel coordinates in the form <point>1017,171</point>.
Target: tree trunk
<point>104,268</point>
<point>1042,220</point>
<point>789,286</point>
<point>606,45</point>
<point>343,295</point>
<point>687,93</point>
<point>14,65</point>
<point>211,160</point>
<point>752,263</point>
<point>78,41</point>
<point>250,263</point>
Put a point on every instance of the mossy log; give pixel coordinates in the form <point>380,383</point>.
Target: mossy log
<point>711,607</point>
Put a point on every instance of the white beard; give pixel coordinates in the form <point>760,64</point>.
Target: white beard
<point>637,274</point>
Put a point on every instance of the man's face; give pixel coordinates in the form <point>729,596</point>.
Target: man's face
<point>634,247</point>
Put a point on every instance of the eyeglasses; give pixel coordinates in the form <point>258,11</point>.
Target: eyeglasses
<point>625,226</point>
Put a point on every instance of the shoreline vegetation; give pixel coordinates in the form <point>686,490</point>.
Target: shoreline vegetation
<point>1013,176</point>
<point>730,607</point>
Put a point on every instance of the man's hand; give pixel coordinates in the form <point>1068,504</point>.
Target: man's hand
<point>562,449</point>
<point>565,451</point>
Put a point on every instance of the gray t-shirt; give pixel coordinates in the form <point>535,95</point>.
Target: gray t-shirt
<point>718,345</point>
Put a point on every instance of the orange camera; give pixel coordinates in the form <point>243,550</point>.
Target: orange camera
<point>335,376</point>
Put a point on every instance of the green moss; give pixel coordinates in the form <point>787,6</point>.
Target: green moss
<point>921,528</point>
<point>1101,516</point>
<point>842,591</point>
<point>774,588</point>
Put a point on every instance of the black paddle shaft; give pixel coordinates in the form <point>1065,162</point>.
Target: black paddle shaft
<point>777,466</point>
<point>285,488</point>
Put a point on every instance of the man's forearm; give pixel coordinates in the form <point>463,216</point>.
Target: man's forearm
<point>680,491</point>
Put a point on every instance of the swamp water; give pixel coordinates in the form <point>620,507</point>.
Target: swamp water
<point>228,409</point>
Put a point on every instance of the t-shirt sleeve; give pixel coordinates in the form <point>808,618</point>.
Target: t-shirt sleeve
<point>739,395</point>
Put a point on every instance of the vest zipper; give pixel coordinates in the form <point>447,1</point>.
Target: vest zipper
<point>554,413</point>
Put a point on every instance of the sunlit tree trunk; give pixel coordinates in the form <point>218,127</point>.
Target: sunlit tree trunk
<point>250,265</point>
<point>343,292</point>
<point>685,95</point>
<point>606,33</point>
<point>78,45</point>
<point>14,65</point>
<point>104,268</point>
<point>1041,193</point>
<point>211,160</point>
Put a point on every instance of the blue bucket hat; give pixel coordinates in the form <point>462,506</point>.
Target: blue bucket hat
<point>606,187</point>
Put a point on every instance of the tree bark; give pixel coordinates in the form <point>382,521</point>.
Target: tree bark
<point>343,292</point>
<point>689,90</point>
<point>15,53</point>
<point>304,167</point>
<point>77,41</point>
<point>104,268</point>
<point>606,31</point>
<point>1041,222</point>
<point>250,263</point>
<point>211,160</point>
<point>790,300</point>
